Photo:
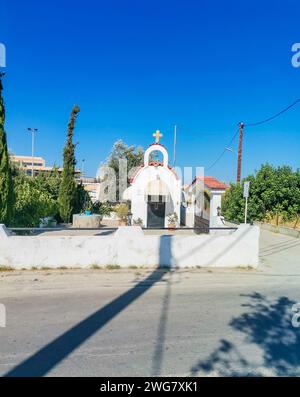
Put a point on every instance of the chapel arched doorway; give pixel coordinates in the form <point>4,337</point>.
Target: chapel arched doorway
<point>157,195</point>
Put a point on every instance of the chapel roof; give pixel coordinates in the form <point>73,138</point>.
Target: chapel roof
<point>153,164</point>
<point>211,182</point>
<point>156,144</point>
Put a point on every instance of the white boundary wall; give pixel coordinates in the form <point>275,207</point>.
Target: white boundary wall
<point>130,247</point>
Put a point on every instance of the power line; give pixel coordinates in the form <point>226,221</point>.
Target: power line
<point>252,125</point>
<point>224,151</point>
<point>274,116</point>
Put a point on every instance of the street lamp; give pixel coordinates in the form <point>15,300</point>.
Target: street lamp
<point>228,149</point>
<point>82,167</point>
<point>33,131</point>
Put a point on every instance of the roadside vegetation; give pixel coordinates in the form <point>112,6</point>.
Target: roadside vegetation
<point>274,197</point>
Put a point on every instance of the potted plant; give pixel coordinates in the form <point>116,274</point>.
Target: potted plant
<point>172,220</point>
<point>138,222</point>
<point>87,208</point>
<point>122,211</point>
<point>101,209</point>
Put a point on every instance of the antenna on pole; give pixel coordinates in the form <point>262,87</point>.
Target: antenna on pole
<point>175,141</point>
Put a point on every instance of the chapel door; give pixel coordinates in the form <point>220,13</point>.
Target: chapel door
<point>156,215</point>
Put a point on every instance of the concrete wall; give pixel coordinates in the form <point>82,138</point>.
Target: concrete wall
<point>288,231</point>
<point>87,221</point>
<point>130,247</point>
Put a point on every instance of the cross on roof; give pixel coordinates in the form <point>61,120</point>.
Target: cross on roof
<point>157,136</point>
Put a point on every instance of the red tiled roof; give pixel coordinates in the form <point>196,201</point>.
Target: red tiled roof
<point>157,144</point>
<point>211,182</point>
<point>153,164</point>
<point>157,164</point>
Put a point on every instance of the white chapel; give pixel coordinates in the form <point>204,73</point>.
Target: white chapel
<point>155,189</point>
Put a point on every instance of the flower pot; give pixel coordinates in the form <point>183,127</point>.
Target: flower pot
<point>171,226</point>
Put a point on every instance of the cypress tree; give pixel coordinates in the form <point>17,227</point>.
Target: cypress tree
<point>68,187</point>
<point>6,183</point>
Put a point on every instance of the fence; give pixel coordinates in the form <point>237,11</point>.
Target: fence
<point>130,246</point>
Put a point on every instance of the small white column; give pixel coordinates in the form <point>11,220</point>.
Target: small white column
<point>215,202</point>
<point>4,233</point>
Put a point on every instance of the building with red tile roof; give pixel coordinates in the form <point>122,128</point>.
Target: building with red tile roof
<point>211,183</point>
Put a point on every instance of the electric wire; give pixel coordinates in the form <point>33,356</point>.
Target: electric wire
<point>253,125</point>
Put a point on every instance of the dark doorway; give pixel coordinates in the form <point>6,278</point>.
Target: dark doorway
<point>156,214</point>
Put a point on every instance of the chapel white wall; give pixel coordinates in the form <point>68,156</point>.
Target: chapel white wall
<point>139,205</point>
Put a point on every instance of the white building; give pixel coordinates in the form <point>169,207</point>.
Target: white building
<point>156,194</point>
<point>37,165</point>
<point>92,186</point>
<point>203,202</point>
<point>155,190</point>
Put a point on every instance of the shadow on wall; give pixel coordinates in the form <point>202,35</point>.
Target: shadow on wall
<point>165,252</point>
<point>166,258</point>
<point>40,363</point>
<point>219,254</point>
<point>268,325</point>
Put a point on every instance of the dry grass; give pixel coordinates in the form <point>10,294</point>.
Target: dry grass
<point>95,267</point>
<point>6,269</point>
<point>113,267</point>
<point>293,224</point>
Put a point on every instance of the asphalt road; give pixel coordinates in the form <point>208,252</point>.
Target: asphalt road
<point>143,323</point>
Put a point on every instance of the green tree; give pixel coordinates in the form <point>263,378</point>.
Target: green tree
<point>274,191</point>
<point>50,182</point>
<point>233,203</point>
<point>82,200</point>
<point>121,151</point>
<point>6,183</point>
<point>68,187</point>
<point>33,202</point>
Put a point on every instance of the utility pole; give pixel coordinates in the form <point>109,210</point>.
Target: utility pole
<point>240,152</point>
<point>175,142</point>
<point>33,131</point>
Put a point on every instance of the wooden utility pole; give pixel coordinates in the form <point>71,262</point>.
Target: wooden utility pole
<point>240,152</point>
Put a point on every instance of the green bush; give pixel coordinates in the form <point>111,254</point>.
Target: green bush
<point>32,203</point>
<point>101,208</point>
<point>274,191</point>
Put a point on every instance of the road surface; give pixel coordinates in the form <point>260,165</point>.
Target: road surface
<point>142,322</point>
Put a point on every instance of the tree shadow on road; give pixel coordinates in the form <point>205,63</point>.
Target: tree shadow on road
<point>267,325</point>
<point>49,356</point>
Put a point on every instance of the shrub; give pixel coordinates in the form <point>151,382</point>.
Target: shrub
<point>274,192</point>
<point>32,203</point>
<point>122,211</point>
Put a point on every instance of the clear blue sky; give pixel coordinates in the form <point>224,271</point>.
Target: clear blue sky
<point>137,66</point>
